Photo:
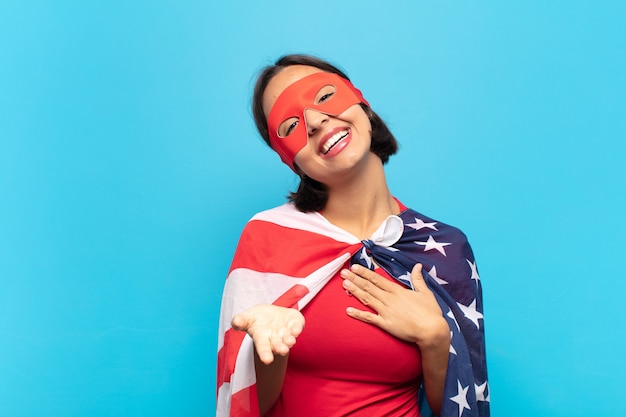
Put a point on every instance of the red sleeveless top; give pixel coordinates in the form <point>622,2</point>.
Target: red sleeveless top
<point>343,367</point>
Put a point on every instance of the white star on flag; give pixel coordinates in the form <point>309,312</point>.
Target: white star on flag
<point>472,265</point>
<point>452,349</point>
<point>461,398</point>
<point>451,315</point>
<point>480,392</point>
<point>431,244</point>
<point>366,257</point>
<point>471,312</point>
<point>420,224</point>
<point>407,277</point>
<point>433,273</point>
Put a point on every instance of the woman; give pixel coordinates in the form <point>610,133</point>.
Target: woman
<point>391,299</point>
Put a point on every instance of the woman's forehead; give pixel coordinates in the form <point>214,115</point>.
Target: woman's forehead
<point>282,80</point>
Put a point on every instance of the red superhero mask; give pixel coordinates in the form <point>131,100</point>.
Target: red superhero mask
<point>296,99</point>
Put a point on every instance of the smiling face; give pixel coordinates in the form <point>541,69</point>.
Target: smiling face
<point>313,115</point>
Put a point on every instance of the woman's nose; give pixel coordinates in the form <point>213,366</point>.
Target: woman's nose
<point>314,120</point>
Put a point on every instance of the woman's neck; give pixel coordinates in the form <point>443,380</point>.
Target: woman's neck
<point>360,205</point>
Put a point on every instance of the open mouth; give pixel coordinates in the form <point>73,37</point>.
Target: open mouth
<point>334,140</point>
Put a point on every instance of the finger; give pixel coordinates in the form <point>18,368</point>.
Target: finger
<point>418,279</point>
<point>278,345</point>
<point>239,322</point>
<point>289,340</point>
<point>282,340</point>
<point>296,326</point>
<point>264,350</point>
<point>364,316</point>
<point>366,297</point>
<point>365,279</point>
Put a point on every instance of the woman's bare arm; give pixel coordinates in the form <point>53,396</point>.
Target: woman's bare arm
<point>274,330</point>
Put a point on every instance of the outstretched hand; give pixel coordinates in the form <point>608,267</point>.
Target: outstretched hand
<point>273,329</point>
<point>414,316</point>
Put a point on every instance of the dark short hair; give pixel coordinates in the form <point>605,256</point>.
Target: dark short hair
<point>311,194</point>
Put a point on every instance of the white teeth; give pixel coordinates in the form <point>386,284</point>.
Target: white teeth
<point>328,145</point>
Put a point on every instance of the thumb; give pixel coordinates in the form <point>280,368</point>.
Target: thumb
<point>240,322</point>
<point>417,278</point>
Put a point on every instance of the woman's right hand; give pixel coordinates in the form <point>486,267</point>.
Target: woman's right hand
<point>273,329</point>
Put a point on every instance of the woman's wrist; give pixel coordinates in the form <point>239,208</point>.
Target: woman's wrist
<point>438,337</point>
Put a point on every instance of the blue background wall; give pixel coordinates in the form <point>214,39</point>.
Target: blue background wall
<point>129,164</point>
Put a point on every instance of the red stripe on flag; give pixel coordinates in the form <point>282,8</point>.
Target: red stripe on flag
<point>291,297</point>
<point>297,253</point>
<point>227,355</point>
<point>245,403</point>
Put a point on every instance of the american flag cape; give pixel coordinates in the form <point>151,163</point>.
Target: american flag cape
<point>284,257</point>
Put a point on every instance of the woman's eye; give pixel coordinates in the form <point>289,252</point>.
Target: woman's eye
<point>289,127</point>
<point>325,97</point>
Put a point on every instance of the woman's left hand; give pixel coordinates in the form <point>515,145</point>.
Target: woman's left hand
<point>414,316</point>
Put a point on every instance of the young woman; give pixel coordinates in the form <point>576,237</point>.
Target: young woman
<point>383,302</point>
